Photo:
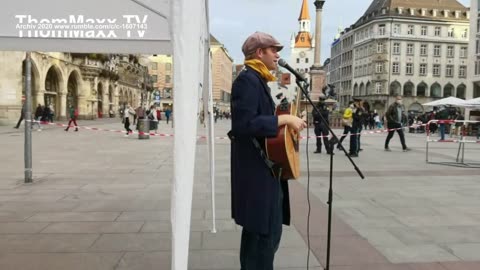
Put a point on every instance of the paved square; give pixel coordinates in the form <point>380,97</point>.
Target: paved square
<point>102,201</point>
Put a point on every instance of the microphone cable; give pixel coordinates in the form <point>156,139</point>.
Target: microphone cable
<point>308,187</point>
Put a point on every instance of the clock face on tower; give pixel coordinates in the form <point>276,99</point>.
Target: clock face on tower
<point>302,54</point>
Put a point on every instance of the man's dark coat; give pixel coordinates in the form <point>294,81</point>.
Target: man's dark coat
<point>254,188</point>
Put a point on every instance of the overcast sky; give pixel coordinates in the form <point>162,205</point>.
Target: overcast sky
<point>232,21</point>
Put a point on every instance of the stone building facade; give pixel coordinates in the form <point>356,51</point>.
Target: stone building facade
<point>474,50</point>
<point>161,72</point>
<point>222,75</point>
<point>95,84</point>
<point>415,49</point>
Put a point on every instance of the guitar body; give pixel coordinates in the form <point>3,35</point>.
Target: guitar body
<point>284,148</point>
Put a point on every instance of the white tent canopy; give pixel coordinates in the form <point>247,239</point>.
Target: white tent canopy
<point>451,101</point>
<point>178,27</point>
<point>473,102</point>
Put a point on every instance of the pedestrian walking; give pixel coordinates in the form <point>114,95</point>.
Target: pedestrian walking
<point>128,112</point>
<point>394,123</point>
<point>73,114</point>
<point>168,112</point>
<point>22,115</point>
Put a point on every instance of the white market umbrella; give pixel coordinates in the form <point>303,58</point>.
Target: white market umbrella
<point>451,101</point>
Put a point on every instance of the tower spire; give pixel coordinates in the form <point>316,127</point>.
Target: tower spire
<point>304,12</point>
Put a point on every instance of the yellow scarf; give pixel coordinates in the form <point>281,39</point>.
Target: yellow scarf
<point>260,67</point>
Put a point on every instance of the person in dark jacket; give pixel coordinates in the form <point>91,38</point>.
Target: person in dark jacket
<point>357,123</point>
<point>394,122</point>
<point>321,130</point>
<point>260,199</point>
<point>22,115</point>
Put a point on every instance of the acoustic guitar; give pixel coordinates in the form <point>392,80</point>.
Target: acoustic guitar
<point>284,148</point>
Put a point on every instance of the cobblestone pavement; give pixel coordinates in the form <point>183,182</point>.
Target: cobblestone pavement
<point>101,200</point>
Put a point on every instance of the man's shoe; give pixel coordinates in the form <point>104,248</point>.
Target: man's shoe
<point>76,129</point>
<point>354,155</point>
<point>317,152</point>
<point>66,129</point>
<point>406,149</point>
<point>361,149</point>
<point>388,149</point>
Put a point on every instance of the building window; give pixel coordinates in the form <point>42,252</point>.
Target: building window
<point>379,68</point>
<point>423,31</point>
<point>450,32</point>
<point>298,60</point>
<point>378,87</point>
<point>423,49</point>
<point>478,25</point>
<point>477,67</point>
<point>154,78</point>
<point>380,48</point>
<point>167,78</point>
<point>409,69</point>
<point>465,33</point>
<point>396,68</point>
<point>477,46</point>
<point>410,49</point>
<point>438,31</point>
<point>381,29</point>
<point>154,66</point>
<point>436,50</point>
<point>410,30</point>
<point>462,72</point>
<point>449,71</point>
<point>463,52</point>
<point>423,70</point>
<point>450,51</point>
<point>306,60</point>
<point>396,29</point>
<point>436,70</point>
<point>396,48</point>
<point>168,66</point>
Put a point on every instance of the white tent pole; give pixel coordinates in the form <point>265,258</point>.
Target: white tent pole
<point>211,136</point>
<point>187,30</point>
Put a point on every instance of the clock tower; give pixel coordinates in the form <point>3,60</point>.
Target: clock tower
<point>302,47</point>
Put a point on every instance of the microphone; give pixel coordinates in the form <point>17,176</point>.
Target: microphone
<point>284,64</point>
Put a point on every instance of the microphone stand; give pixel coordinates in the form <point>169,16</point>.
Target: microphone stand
<point>331,143</point>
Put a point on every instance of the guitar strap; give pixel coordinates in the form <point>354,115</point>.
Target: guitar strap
<point>275,168</point>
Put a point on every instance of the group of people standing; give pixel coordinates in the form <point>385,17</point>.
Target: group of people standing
<point>355,119</point>
<point>42,114</point>
<point>140,113</point>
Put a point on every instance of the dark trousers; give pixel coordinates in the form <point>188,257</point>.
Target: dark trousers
<point>346,130</point>
<point>127,125</point>
<point>257,251</point>
<point>354,140</point>
<point>322,131</point>
<point>442,131</point>
<point>19,121</point>
<point>168,119</point>
<point>74,122</point>
<point>392,127</point>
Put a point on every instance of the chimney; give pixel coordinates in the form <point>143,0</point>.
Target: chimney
<point>446,13</point>
<point>467,14</point>
<point>412,11</point>
<point>424,10</point>
<point>457,14</point>
<point>434,12</point>
<point>400,10</point>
